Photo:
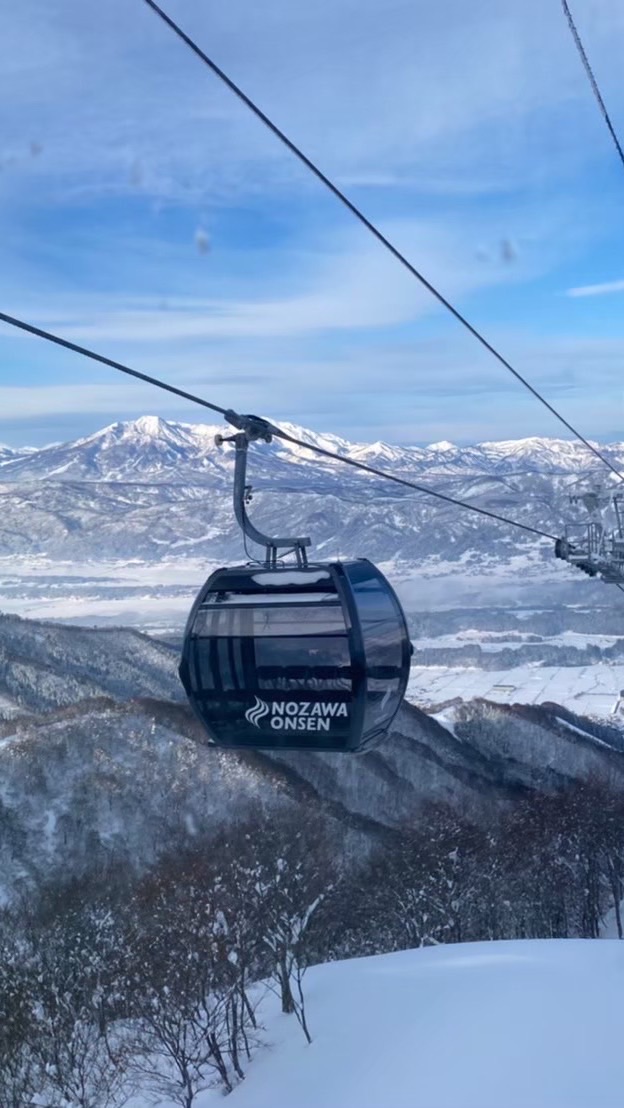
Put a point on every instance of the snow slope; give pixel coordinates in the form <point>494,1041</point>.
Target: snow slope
<point>534,1024</point>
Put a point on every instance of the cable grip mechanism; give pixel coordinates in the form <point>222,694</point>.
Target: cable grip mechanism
<point>253,428</point>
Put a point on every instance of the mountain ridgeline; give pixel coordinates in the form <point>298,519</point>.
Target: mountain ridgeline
<point>152,489</point>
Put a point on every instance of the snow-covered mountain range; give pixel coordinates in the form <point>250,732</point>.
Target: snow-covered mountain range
<point>153,489</point>
<point>152,449</point>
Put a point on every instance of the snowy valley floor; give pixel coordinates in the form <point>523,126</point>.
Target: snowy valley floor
<point>594,690</point>
<point>156,598</point>
<point>534,1024</point>
<point>158,595</point>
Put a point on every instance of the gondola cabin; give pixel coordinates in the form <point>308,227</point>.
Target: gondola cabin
<point>300,658</point>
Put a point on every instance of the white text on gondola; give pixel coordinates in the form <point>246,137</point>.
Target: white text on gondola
<point>293,715</point>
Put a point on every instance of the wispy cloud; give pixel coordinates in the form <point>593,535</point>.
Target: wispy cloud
<point>344,283</point>
<point>451,98</point>
<point>603,289</point>
<point>418,392</point>
<point>144,212</point>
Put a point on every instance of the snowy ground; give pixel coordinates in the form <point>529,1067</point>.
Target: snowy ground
<point>493,641</point>
<point>154,597</point>
<point>534,1024</point>
<point>589,690</point>
<point>157,595</point>
<point>157,598</point>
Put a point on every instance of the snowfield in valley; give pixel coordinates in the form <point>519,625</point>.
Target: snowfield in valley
<point>595,690</point>
<point>152,596</point>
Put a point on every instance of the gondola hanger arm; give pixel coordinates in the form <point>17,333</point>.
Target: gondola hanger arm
<point>251,429</point>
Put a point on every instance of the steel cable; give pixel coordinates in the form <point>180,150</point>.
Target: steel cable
<point>372,228</point>
<point>58,340</point>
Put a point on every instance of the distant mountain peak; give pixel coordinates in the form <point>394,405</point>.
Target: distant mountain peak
<point>443,447</point>
<point>151,425</point>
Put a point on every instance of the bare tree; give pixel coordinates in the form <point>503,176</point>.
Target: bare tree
<point>294,877</point>
<point>191,1020</point>
<point>82,1057</point>
<point>20,1074</point>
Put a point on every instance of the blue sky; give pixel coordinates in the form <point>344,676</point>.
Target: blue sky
<point>144,212</point>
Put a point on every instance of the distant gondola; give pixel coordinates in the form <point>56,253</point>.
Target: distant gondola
<point>300,656</point>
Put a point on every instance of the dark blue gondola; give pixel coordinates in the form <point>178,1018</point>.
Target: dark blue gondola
<point>301,656</point>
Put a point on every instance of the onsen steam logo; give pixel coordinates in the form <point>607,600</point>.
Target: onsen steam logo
<point>258,712</point>
<point>296,715</point>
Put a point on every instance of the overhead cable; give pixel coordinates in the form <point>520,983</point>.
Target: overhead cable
<point>58,340</point>
<point>409,484</point>
<point>370,226</point>
<point>592,79</point>
<point>67,345</point>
